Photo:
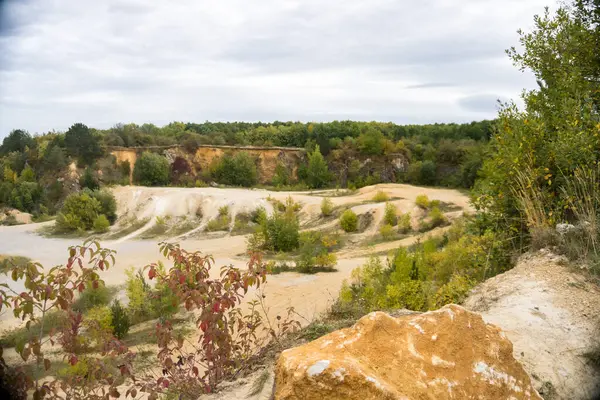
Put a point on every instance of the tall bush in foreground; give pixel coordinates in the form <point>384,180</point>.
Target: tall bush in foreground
<point>228,340</point>
<point>151,170</point>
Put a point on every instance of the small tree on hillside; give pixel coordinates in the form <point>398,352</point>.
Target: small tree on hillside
<point>151,170</point>
<point>317,173</point>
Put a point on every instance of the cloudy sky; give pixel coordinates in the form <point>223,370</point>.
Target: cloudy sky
<point>109,61</point>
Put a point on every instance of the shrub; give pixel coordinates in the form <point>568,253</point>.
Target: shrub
<point>422,201</point>
<point>151,170</point>
<point>282,232</point>
<point>389,214</point>
<point>98,321</point>
<point>315,252</point>
<point>120,320</point>
<point>108,204</point>
<point>221,222</point>
<point>404,224</point>
<point>349,221</point>
<point>381,196</point>
<point>237,170</point>
<point>101,224</point>
<point>326,207</point>
<point>88,180</point>
<point>453,292</point>
<point>137,290</point>
<point>437,218</point>
<point>386,231</point>
<point>78,212</point>
<point>92,297</point>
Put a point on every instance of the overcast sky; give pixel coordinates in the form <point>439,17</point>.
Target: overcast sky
<point>101,62</point>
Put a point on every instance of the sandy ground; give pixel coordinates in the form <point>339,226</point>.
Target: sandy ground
<point>550,313</point>
<point>309,295</point>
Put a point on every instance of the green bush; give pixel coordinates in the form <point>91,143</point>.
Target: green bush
<point>316,252</point>
<point>437,218</point>
<point>221,222</point>
<point>349,221</point>
<point>422,201</point>
<point>101,224</point>
<point>389,214</point>
<point>98,323</point>
<point>151,170</point>
<point>282,232</point>
<point>88,180</point>
<point>404,224</point>
<point>326,207</point>
<point>386,231</point>
<point>380,196</point>
<point>108,204</point>
<point>92,297</point>
<point>278,232</point>
<point>237,170</point>
<point>453,292</point>
<point>79,211</point>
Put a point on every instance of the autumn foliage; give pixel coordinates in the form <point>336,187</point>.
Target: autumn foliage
<point>230,334</point>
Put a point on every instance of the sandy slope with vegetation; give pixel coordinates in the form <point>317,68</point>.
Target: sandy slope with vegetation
<point>309,294</point>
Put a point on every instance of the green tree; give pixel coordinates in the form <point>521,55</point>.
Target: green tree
<point>27,175</point>
<point>558,130</point>
<point>317,173</point>
<point>82,144</point>
<point>18,140</point>
<point>151,170</point>
<point>54,159</point>
<point>237,170</point>
<point>88,180</point>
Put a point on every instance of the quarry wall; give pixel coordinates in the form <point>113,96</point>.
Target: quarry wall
<point>267,158</point>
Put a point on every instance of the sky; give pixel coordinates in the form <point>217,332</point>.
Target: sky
<point>119,61</point>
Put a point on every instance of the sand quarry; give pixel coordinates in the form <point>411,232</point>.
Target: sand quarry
<point>308,294</point>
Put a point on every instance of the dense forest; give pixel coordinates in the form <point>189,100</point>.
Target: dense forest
<point>39,171</point>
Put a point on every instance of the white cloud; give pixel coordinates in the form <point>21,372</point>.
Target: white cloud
<point>104,62</point>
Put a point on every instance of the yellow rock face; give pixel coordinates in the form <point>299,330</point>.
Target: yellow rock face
<point>450,353</point>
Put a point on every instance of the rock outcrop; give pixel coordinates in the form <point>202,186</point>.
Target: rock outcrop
<point>450,353</point>
<point>549,312</point>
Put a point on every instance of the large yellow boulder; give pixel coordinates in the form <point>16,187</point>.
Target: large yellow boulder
<point>450,353</point>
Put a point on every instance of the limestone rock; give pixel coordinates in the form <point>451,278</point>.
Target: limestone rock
<point>450,353</point>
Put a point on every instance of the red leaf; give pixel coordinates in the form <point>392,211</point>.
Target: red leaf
<point>73,360</point>
<point>151,273</point>
<point>81,287</point>
<point>95,284</point>
<point>101,265</point>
